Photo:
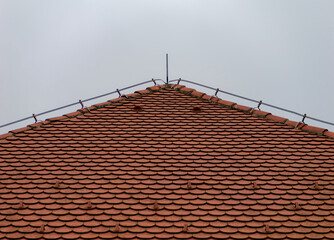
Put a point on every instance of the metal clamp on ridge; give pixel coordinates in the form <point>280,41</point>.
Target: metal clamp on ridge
<point>214,95</point>
<point>120,95</point>
<point>258,107</point>
<point>82,106</point>
<point>216,92</point>
<point>301,121</point>
<point>154,82</point>
<point>34,116</point>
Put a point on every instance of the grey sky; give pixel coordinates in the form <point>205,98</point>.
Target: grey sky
<point>56,52</point>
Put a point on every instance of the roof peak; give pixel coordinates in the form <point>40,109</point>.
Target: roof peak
<point>188,91</point>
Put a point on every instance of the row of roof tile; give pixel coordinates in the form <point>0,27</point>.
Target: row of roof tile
<point>213,99</point>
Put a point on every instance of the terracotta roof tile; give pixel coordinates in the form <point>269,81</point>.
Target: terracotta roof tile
<point>177,86</point>
<point>113,171</point>
<point>57,118</point>
<point>226,103</point>
<point>187,90</point>
<point>197,94</point>
<point>260,113</point>
<point>154,88</point>
<point>329,134</point>
<point>276,118</point>
<point>242,108</point>
<point>6,135</point>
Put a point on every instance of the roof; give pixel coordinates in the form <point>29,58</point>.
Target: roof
<point>167,162</point>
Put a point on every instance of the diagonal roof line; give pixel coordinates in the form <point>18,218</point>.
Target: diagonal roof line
<point>189,91</point>
<point>252,111</point>
<point>175,80</point>
<point>78,103</point>
<point>255,101</point>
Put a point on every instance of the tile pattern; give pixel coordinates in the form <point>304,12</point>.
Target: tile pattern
<point>167,163</point>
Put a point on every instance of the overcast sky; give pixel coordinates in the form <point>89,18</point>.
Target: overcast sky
<point>53,53</point>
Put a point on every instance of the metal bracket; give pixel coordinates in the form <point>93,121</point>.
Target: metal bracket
<point>178,81</point>
<point>119,94</point>
<point>154,82</point>
<point>301,121</point>
<point>82,106</point>
<point>34,117</point>
<point>258,107</point>
<point>216,92</point>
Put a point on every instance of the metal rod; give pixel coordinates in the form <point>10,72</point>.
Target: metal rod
<point>167,68</point>
<point>17,121</point>
<point>56,109</point>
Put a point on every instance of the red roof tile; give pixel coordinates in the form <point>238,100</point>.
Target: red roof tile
<point>167,162</point>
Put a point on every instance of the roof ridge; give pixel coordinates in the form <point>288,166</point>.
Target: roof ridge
<point>189,91</point>
<point>257,113</point>
<point>79,112</point>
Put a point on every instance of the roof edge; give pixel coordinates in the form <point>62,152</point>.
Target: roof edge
<point>189,91</point>
<point>79,112</point>
<point>256,113</point>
